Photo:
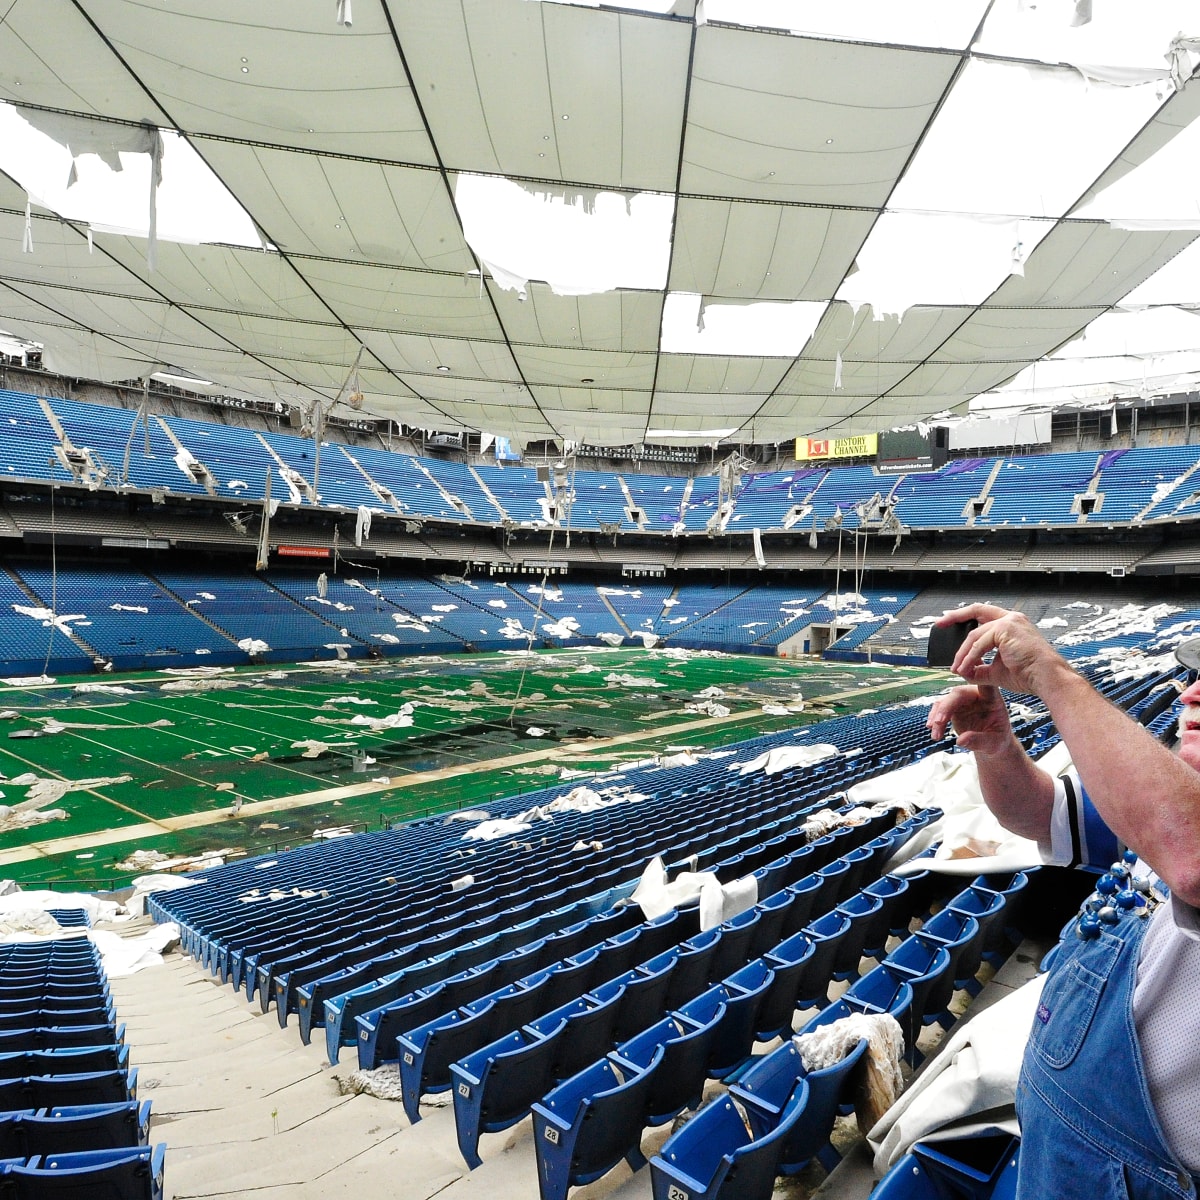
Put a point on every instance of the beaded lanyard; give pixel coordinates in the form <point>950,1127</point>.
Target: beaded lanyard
<point>1117,892</point>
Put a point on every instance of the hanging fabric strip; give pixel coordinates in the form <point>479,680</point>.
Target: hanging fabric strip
<point>343,13</point>
<point>759,557</point>
<point>27,240</point>
<point>264,533</point>
<point>156,157</point>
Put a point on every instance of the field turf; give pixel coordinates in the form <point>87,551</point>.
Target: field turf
<point>256,759</point>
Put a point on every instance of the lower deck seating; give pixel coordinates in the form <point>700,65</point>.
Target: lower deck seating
<point>70,1121</point>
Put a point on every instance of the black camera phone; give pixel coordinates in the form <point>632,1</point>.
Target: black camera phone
<point>944,641</point>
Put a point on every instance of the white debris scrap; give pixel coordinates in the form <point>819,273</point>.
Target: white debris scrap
<point>253,645</point>
<point>124,956</point>
<point>829,1044</point>
<point>197,685</point>
<point>1128,619</point>
<point>685,758</point>
<point>311,747</point>
<point>567,627</point>
<point>47,617</point>
<point>499,827</point>
<point>404,621</point>
<point>656,894</point>
<point>784,758</point>
<point>397,720</point>
<point>632,681</point>
<point>53,725</point>
<point>18,901</point>
<point>383,1083</point>
<point>43,791</point>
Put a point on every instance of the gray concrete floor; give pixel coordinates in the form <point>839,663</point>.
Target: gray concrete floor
<point>247,1110</point>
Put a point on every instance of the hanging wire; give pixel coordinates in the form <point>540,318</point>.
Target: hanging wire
<point>537,616</point>
<point>860,566</point>
<point>53,587</point>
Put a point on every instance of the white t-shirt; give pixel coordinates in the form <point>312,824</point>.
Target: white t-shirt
<point>1166,996</point>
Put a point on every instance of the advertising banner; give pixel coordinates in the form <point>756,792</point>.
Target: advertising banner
<point>810,449</point>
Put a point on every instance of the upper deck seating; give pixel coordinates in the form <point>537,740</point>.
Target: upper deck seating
<point>1039,489</point>
<point>940,499</point>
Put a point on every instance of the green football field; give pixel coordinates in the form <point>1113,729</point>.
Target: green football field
<point>258,759</point>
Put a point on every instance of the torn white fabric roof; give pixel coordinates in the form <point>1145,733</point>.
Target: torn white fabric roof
<point>753,180</point>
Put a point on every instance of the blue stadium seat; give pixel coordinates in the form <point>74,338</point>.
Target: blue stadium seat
<point>787,960</point>
<point>495,1087</point>
<point>744,992</point>
<point>979,1167</point>
<point>715,1157</point>
<point>69,1128</point>
<point>686,1047</point>
<point>589,1122</point>
<point>121,1174</point>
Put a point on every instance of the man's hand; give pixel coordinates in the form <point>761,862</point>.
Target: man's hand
<point>978,715</point>
<point>1005,650</point>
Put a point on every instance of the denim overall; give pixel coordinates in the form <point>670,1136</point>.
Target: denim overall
<point>1088,1127</point>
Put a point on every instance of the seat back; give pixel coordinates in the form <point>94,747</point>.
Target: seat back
<point>93,1175</point>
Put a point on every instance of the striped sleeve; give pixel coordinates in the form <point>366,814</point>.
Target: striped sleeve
<point>1078,834</point>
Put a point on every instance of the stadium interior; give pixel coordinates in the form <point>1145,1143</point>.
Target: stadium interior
<point>469,549</point>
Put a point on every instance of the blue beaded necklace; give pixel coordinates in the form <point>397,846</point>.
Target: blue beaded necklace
<point>1117,893</point>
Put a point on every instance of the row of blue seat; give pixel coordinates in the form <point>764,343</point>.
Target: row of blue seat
<point>123,1174</point>
<point>66,1128</point>
<point>397,1001</point>
<point>308,909</point>
<point>790,1110</point>
<point>70,1121</point>
<point>495,1084</point>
